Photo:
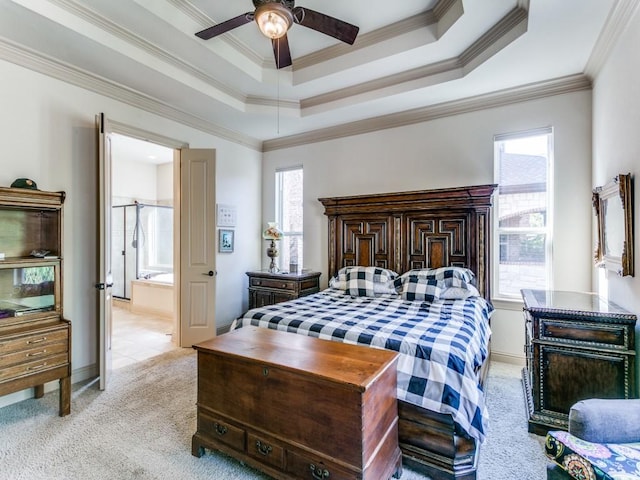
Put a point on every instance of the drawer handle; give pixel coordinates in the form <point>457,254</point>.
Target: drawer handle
<point>35,354</point>
<point>37,367</point>
<point>284,285</point>
<point>318,473</point>
<point>258,283</point>
<point>263,448</point>
<point>220,429</point>
<point>39,340</point>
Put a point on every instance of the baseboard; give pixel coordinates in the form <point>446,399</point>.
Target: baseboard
<point>508,358</point>
<point>79,375</point>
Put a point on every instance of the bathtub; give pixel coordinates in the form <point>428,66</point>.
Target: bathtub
<point>153,296</point>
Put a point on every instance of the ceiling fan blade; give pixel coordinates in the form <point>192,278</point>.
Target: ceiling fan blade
<point>281,51</point>
<point>322,23</point>
<point>224,27</point>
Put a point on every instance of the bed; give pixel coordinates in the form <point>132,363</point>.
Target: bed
<point>413,241</point>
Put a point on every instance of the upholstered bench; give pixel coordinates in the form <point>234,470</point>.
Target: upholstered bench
<point>603,442</point>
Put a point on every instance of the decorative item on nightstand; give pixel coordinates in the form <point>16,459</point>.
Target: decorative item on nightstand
<point>272,233</point>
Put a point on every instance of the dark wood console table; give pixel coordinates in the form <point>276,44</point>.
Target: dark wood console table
<point>578,346</point>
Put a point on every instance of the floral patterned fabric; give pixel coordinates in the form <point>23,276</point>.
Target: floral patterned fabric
<point>593,461</point>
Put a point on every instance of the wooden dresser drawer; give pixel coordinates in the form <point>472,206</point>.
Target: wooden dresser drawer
<point>586,333</point>
<point>33,339</point>
<point>221,431</point>
<point>39,352</point>
<point>273,283</point>
<point>35,366</point>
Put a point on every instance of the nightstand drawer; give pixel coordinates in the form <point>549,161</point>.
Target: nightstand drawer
<point>269,288</point>
<point>273,283</point>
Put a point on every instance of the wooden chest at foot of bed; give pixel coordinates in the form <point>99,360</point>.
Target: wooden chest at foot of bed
<point>298,407</point>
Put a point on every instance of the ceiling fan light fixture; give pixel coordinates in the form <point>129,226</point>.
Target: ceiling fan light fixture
<point>273,19</point>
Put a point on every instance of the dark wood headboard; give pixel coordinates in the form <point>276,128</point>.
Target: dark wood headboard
<point>421,229</point>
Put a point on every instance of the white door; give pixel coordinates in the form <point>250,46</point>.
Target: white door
<point>197,245</point>
<point>105,279</point>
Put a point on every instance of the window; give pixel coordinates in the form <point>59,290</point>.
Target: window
<point>523,171</point>
<point>289,217</point>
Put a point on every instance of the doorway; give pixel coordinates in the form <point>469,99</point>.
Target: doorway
<point>142,223</point>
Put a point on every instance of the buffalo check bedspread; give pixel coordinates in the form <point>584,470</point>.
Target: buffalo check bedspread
<point>441,344</point>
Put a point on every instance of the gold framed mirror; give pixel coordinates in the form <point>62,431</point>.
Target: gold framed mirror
<point>613,205</point>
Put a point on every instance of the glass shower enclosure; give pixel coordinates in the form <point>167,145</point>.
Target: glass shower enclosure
<point>142,244</point>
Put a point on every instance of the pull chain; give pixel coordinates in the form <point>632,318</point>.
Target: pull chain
<point>278,89</point>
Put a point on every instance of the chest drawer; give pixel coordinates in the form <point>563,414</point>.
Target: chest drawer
<point>302,465</point>
<point>587,334</point>
<point>35,366</point>
<point>221,431</point>
<point>33,339</point>
<point>265,450</point>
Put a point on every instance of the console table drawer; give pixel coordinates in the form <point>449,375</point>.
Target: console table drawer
<point>586,333</point>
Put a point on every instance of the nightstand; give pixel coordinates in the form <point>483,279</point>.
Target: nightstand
<point>268,288</point>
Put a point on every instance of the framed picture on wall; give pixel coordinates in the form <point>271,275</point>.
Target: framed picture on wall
<point>225,241</point>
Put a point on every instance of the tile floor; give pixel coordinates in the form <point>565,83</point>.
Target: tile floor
<point>136,337</point>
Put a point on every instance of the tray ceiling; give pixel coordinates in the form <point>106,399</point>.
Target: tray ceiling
<point>410,55</point>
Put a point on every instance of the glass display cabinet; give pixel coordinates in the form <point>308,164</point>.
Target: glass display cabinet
<point>35,339</point>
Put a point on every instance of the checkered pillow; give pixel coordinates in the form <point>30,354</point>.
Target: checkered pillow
<point>445,273</point>
<point>360,281</point>
<point>420,288</point>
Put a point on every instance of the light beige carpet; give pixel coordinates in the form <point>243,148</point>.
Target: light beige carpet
<point>141,428</point>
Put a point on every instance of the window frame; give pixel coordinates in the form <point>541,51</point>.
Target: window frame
<point>279,212</point>
<point>547,230</point>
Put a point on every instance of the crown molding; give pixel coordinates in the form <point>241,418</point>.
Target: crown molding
<point>205,21</point>
<point>35,61</point>
<point>560,86</point>
<point>616,23</point>
<point>483,48</point>
<point>54,68</point>
<point>88,15</point>
<point>506,30</point>
<point>366,40</point>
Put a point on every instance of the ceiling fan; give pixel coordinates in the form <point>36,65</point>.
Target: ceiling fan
<point>275,17</point>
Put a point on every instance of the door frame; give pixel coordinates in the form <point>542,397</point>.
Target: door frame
<point>176,145</point>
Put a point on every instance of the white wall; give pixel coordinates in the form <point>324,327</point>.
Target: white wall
<point>134,180</point>
<point>616,149</point>
<point>49,135</point>
<point>164,183</point>
<point>448,152</point>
